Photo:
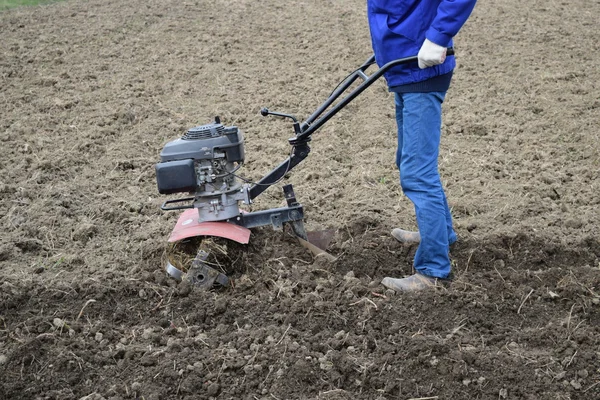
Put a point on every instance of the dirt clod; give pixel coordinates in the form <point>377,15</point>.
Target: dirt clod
<point>84,232</point>
<point>213,389</point>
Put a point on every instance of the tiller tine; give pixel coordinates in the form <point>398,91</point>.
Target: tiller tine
<point>321,239</point>
<point>200,273</point>
<point>203,276</point>
<point>316,242</point>
<point>317,252</point>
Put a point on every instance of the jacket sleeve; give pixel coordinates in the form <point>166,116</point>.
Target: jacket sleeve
<point>451,16</point>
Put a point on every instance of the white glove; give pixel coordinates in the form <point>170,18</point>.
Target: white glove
<point>431,54</point>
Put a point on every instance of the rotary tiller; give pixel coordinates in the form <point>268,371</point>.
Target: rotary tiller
<point>204,163</point>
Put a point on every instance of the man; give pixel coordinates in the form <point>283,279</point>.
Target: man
<point>403,28</point>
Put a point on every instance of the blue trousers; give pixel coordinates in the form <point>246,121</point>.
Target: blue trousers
<point>419,119</point>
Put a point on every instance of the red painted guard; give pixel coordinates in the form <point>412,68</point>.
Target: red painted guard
<point>188,226</point>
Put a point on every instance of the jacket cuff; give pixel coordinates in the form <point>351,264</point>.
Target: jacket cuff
<point>437,37</point>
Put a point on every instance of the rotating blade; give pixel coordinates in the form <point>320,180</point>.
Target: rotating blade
<point>201,274</point>
<point>204,277</point>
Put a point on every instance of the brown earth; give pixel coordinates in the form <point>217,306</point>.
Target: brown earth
<point>90,91</point>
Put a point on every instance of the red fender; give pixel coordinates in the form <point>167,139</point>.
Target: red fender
<point>188,226</point>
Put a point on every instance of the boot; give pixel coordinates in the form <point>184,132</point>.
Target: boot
<point>411,283</point>
<point>406,236</point>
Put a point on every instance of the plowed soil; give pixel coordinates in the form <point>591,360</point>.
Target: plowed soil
<point>90,91</point>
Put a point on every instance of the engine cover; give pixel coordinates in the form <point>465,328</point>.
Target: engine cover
<point>206,142</point>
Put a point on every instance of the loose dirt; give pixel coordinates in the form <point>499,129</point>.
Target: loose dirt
<point>90,91</point>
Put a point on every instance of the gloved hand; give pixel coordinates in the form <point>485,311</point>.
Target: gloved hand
<point>431,54</point>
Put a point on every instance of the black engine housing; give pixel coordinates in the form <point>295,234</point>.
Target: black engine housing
<point>211,147</point>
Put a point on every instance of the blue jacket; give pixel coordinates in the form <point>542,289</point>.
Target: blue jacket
<point>399,28</point>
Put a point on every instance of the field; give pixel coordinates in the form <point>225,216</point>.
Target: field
<point>90,91</point>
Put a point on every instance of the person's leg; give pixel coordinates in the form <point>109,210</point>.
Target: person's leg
<point>402,235</point>
<point>420,181</point>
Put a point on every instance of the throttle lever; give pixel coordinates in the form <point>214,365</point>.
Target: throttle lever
<point>265,111</point>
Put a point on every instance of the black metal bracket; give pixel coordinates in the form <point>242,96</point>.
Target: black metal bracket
<point>275,217</point>
<point>299,153</point>
<point>165,208</point>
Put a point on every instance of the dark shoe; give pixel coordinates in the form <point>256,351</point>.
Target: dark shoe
<point>413,283</point>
